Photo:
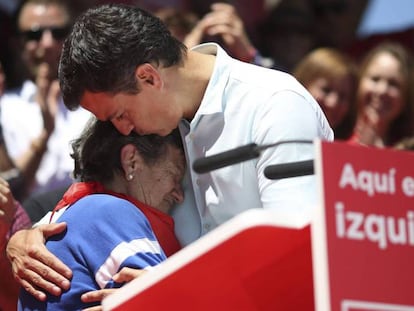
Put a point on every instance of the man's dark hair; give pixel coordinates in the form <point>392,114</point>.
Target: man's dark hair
<point>97,151</point>
<point>107,44</point>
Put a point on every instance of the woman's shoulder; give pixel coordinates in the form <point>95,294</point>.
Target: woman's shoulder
<point>101,206</point>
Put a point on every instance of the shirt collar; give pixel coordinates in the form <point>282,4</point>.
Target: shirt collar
<point>214,97</point>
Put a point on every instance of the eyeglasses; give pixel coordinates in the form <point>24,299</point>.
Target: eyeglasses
<point>58,33</point>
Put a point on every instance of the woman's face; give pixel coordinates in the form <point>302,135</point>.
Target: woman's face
<point>159,185</point>
<point>334,96</point>
<point>381,89</point>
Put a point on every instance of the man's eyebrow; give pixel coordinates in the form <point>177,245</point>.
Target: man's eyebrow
<point>111,116</point>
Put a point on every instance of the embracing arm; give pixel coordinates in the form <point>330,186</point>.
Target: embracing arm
<point>34,267</point>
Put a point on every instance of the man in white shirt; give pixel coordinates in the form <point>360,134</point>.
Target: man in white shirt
<point>243,104</point>
<point>131,71</point>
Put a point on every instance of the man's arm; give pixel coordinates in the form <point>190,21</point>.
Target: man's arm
<point>34,267</point>
<point>299,119</point>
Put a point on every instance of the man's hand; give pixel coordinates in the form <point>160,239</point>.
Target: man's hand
<point>34,267</point>
<point>123,276</point>
<point>126,275</point>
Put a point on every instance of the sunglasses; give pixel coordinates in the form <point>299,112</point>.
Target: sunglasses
<point>58,33</point>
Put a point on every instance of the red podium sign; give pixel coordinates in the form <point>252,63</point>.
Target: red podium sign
<point>363,235</point>
<point>251,262</point>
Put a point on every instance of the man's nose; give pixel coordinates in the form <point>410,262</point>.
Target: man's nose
<point>47,38</point>
<point>124,127</point>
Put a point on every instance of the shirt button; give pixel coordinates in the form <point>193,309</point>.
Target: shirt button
<point>207,227</point>
<point>190,137</point>
<point>198,182</point>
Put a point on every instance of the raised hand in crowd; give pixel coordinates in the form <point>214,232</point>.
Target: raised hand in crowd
<point>224,22</point>
<point>47,96</point>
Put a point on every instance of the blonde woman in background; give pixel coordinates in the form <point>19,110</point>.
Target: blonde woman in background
<point>331,76</point>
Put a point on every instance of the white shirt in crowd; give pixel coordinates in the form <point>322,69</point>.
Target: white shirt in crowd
<point>22,122</point>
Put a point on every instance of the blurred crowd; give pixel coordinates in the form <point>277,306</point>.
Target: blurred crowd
<point>364,86</point>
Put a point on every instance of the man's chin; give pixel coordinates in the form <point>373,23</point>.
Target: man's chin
<point>164,132</point>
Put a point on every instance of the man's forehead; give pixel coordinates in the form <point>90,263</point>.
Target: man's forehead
<point>97,103</point>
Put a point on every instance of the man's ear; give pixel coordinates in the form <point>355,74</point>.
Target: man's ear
<point>131,160</point>
<point>148,75</point>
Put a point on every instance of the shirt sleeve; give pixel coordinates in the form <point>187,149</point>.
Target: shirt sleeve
<point>289,116</point>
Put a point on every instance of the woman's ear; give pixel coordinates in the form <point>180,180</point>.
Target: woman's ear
<point>148,75</point>
<point>131,160</point>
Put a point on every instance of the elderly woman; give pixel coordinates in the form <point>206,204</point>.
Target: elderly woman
<point>117,215</point>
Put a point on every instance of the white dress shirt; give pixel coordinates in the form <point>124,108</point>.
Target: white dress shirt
<point>245,103</point>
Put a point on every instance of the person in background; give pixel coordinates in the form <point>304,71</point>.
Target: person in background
<point>179,22</point>
<point>127,186</point>
<point>222,25</point>
<point>12,218</point>
<point>6,164</point>
<point>288,33</point>
<point>384,97</point>
<point>8,170</point>
<point>331,77</point>
<point>122,63</point>
<point>38,205</point>
<point>37,127</point>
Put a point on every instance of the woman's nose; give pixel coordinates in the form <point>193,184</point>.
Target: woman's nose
<point>332,100</point>
<point>382,87</point>
<point>178,194</point>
